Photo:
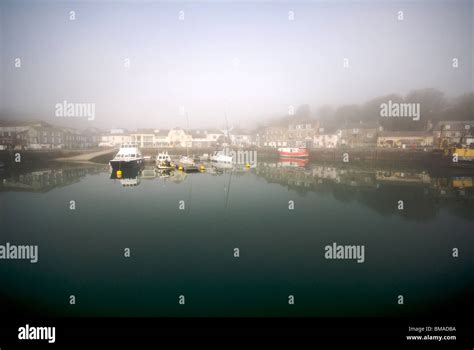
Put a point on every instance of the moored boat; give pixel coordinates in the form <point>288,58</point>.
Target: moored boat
<point>163,161</point>
<point>460,157</point>
<point>293,152</point>
<point>128,157</point>
<point>187,161</point>
<point>220,157</point>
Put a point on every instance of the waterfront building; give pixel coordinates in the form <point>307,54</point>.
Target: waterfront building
<point>448,133</point>
<point>215,136</point>
<point>302,134</point>
<point>145,138</point>
<point>178,137</point>
<point>115,139</point>
<point>326,140</point>
<point>359,135</point>
<point>42,135</point>
<point>161,138</point>
<point>73,139</point>
<point>92,137</point>
<point>275,136</point>
<point>404,139</point>
<point>204,139</point>
<point>241,138</point>
<point>12,138</point>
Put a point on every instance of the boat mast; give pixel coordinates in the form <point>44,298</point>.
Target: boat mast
<point>227,127</point>
<point>187,133</point>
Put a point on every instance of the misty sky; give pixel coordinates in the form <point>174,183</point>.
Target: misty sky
<point>246,59</point>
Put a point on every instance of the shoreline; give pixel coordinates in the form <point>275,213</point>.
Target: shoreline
<point>334,155</point>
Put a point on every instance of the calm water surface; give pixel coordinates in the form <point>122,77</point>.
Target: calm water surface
<point>190,252</point>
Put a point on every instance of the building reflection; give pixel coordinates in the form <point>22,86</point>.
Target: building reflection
<point>44,179</point>
<point>380,187</point>
<point>375,186</point>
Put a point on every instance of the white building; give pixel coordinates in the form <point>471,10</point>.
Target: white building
<point>179,138</point>
<point>326,140</point>
<point>114,139</point>
<point>240,138</point>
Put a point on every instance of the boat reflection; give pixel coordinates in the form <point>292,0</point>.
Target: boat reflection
<point>292,162</point>
<point>377,186</point>
<point>127,177</point>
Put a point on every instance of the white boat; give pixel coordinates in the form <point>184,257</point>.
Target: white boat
<point>163,161</point>
<point>129,156</point>
<point>220,157</point>
<point>185,160</point>
<point>204,157</point>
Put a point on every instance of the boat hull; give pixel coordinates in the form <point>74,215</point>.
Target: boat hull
<point>222,159</point>
<point>293,153</point>
<point>126,164</point>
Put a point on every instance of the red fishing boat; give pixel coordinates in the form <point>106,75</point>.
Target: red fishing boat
<point>293,152</point>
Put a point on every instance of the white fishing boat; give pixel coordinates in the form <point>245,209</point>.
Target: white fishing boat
<point>163,161</point>
<point>221,157</point>
<point>185,160</point>
<point>204,157</point>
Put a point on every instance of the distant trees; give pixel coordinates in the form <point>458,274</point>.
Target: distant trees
<point>434,106</point>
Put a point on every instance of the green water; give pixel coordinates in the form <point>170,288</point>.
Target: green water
<point>190,252</point>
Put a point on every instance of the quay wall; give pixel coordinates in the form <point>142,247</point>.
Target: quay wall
<point>327,155</point>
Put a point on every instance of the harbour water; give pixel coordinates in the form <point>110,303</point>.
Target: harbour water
<point>182,231</point>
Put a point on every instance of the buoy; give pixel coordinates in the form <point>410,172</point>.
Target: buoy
<point>119,173</point>
<point>247,165</point>
<point>180,168</point>
<point>202,168</point>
